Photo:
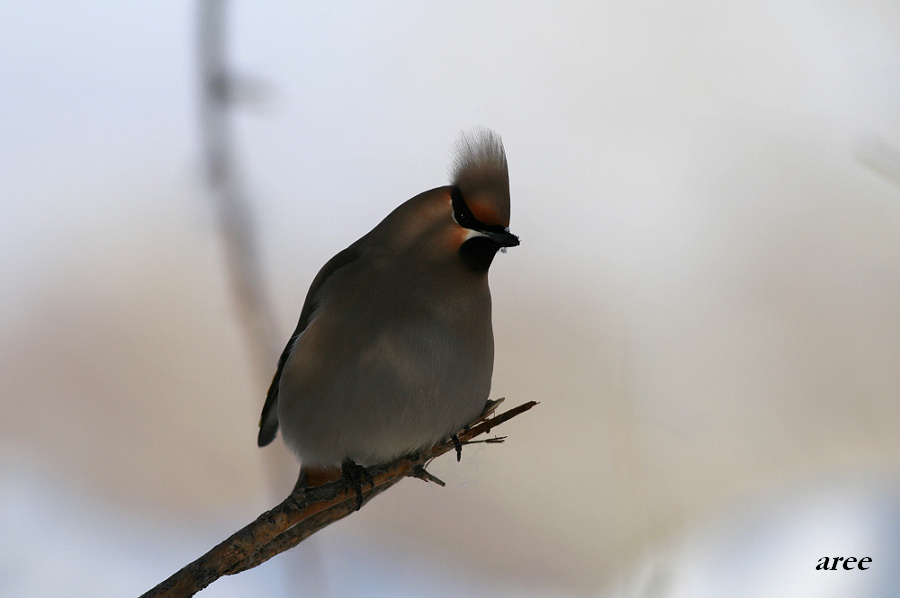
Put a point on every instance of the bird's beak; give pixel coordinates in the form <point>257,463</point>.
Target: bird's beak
<point>503,239</point>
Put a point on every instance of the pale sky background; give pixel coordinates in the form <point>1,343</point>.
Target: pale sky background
<point>706,300</point>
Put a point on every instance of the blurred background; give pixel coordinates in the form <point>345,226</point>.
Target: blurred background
<point>706,301</point>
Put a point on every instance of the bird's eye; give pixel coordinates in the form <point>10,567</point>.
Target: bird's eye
<point>461,212</point>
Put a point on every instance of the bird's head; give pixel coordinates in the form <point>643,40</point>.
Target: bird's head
<point>467,219</point>
<point>480,197</point>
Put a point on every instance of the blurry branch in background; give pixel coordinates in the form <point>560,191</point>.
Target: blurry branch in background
<point>220,91</point>
<point>881,157</point>
<point>307,510</point>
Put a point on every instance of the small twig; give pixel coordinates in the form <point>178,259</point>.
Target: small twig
<point>881,157</point>
<point>494,440</point>
<point>306,511</point>
<point>420,472</point>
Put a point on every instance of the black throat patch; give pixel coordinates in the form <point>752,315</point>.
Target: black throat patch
<point>478,252</point>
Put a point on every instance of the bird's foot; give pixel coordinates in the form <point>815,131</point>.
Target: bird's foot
<point>353,476</point>
<point>458,446</point>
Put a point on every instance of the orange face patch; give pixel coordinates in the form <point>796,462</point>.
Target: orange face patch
<point>460,235</point>
<point>486,213</point>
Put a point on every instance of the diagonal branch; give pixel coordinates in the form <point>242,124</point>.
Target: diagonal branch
<point>308,510</point>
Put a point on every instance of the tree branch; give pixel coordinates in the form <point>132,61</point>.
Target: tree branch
<point>307,510</point>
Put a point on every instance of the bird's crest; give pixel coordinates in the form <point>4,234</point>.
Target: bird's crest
<point>480,172</point>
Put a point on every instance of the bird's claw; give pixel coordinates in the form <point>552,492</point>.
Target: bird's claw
<point>458,446</point>
<point>353,475</point>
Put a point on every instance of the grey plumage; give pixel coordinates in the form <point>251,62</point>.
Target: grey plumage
<point>394,348</point>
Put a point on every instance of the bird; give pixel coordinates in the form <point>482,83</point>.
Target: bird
<point>394,349</point>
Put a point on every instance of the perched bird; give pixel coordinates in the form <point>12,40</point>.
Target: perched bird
<point>394,349</point>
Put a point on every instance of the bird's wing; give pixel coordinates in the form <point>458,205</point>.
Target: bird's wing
<point>268,423</point>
